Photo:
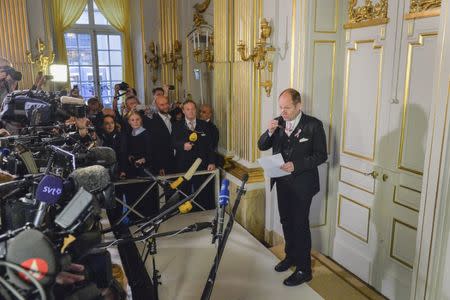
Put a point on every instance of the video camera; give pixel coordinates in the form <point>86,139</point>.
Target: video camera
<point>40,108</point>
<point>15,75</point>
<point>123,86</point>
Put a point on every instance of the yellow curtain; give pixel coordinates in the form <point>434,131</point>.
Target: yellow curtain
<point>65,14</point>
<point>117,12</point>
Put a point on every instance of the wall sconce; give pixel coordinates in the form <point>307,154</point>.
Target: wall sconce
<point>203,40</point>
<point>175,58</point>
<point>41,60</point>
<point>153,61</point>
<point>261,55</point>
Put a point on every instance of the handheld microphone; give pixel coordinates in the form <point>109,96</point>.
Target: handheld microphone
<point>193,137</point>
<point>224,197</point>
<point>186,177</point>
<point>48,192</point>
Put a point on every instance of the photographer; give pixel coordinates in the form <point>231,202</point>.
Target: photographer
<point>9,79</point>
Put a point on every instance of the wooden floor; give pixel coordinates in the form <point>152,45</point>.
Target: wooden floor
<point>245,272</point>
<point>333,282</point>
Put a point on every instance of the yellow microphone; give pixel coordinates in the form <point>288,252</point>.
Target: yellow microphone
<point>193,137</point>
<point>188,175</point>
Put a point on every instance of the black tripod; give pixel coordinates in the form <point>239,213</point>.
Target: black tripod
<point>222,242</point>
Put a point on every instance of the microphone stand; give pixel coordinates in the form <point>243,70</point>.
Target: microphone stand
<point>207,290</point>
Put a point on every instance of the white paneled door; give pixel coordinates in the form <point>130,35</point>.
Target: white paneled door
<point>388,84</point>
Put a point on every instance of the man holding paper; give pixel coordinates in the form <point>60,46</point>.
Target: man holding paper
<point>300,139</point>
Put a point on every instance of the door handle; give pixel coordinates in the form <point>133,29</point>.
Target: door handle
<point>385,177</point>
<point>374,174</point>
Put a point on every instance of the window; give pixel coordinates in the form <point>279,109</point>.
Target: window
<point>94,54</point>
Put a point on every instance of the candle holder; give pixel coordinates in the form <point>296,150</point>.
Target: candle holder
<point>261,55</point>
<point>204,54</point>
<point>175,58</point>
<point>153,60</point>
<point>41,60</point>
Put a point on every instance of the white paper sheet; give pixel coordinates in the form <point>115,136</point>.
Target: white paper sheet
<point>272,164</point>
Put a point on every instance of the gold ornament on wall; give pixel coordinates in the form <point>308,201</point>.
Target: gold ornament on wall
<point>417,6</point>
<point>153,61</point>
<point>175,58</point>
<point>41,60</point>
<point>261,55</point>
<point>200,8</point>
<point>369,14</point>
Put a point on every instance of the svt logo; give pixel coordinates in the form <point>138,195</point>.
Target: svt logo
<point>52,191</point>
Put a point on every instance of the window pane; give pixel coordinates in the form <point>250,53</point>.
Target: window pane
<point>99,19</point>
<point>71,40</point>
<point>86,74</point>
<point>105,86</point>
<point>72,57</point>
<point>116,58</point>
<point>114,42</point>
<point>103,73</point>
<point>103,57</point>
<point>84,41</point>
<point>74,74</point>
<point>87,89</point>
<point>102,42</point>
<point>85,57</point>
<point>84,18</point>
<point>116,73</point>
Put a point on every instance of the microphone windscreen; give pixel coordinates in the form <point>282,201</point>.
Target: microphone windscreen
<point>193,169</point>
<point>92,179</point>
<point>49,189</point>
<point>102,155</point>
<point>32,250</point>
<point>71,100</point>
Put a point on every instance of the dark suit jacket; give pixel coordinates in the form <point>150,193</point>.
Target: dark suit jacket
<point>305,155</point>
<point>163,157</point>
<point>202,147</point>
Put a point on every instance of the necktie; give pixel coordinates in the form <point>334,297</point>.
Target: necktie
<point>288,128</point>
<point>168,124</point>
<point>191,125</point>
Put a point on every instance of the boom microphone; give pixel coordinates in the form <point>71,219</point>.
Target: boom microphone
<point>186,177</point>
<point>104,156</point>
<point>48,192</point>
<point>92,179</point>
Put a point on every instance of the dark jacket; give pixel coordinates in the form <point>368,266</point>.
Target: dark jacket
<point>163,156</point>
<point>306,148</point>
<point>202,148</point>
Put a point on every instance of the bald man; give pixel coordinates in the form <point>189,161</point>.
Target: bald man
<point>160,130</point>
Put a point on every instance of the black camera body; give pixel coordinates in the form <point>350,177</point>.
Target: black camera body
<point>123,86</point>
<point>15,75</point>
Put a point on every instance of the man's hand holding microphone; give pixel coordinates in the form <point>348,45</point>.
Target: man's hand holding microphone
<point>273,124</point>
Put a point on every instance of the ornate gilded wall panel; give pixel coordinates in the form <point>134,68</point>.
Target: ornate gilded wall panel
<point>370,14</point>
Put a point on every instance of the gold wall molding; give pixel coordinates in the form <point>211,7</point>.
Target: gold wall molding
<point>411,47</point>
<point>369,14</point>
<point>347,79</point>
<point>336,18</point>
<point>362,238</point>
<point>14,38</point>
<point>396,200</point>
<point>391,252</point>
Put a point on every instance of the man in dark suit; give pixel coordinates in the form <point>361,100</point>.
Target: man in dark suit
<point>161,130</point>
<point>206,114</point>
<point>301,141</point>
<point>187,150</point>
